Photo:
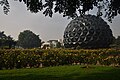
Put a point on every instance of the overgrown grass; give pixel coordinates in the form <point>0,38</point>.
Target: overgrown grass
<point>62,73</point>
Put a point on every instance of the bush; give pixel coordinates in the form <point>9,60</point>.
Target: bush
<point>22,58</point>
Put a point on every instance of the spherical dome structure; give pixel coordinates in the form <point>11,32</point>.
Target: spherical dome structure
<point>87,31</point>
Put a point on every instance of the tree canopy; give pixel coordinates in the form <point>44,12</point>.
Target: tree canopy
<point>6,41</point>
<point>70,8</point>
<point>28,39</point>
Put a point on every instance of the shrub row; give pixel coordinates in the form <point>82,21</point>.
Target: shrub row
<point>16,58</point>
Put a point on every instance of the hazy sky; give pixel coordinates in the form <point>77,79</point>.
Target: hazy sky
<point>20,19</point>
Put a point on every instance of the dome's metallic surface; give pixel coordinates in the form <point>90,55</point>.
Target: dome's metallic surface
<point>87,31</point>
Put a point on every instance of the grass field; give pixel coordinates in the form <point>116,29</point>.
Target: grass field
<point>62,73</point>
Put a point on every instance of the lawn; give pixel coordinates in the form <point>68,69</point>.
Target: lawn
<point>76,72</point>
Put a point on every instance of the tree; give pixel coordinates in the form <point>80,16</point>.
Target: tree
<point>69,8</point>
<point>28,39</point>
<point>6,41</point>
<point>58,45</point>
<point>117,41</point>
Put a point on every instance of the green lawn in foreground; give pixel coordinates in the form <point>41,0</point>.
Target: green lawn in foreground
<point>62,73</point>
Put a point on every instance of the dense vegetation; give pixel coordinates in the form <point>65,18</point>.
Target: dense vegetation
<point>28,39</point>
<point>10,59</point>
<point>6,41</point>
<point>116,42</point>
<point>62,73</point>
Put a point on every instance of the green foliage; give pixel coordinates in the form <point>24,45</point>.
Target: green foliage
<point>117,41</point>
<point>28,39</point>
<point>6,41</point>
<point>5,5</point>
<point>70,8</point>
<point>58,45</point>
<point>10,59</point>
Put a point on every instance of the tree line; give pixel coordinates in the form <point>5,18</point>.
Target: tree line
<point>27,39</point>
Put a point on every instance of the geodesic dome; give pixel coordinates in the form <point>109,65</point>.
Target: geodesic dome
<point>87,31</point>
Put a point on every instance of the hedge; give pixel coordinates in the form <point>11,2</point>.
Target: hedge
<point>23,58</point>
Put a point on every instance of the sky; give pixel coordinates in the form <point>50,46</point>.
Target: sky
<point>19,19</point>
